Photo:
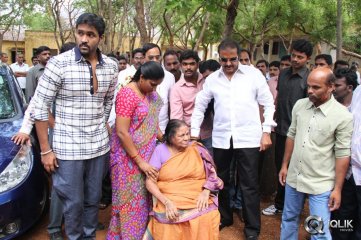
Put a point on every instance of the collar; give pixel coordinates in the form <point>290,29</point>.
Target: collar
<point>325,107</point>
<point>302,72</point>
<point>183,82</point>
<point>239,69</point>
<point>79,57</point>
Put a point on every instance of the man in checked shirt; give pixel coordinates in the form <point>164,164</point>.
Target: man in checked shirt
<point>81,83</point>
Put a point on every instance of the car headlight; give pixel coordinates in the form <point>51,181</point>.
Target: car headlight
<point>17,170</point>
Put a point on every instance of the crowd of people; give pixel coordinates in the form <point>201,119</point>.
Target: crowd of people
<point>176,148</point>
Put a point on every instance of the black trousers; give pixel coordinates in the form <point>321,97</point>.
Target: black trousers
<point>279,152</point>
<point>350,209</point>
<point>247,169</point>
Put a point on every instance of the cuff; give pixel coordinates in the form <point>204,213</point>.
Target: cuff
<point>267,129</point>
<point>195,132</point>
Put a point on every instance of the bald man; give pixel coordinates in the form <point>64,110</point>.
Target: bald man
<point>317,156</point>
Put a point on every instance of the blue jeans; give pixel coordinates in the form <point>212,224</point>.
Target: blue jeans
<point>294,202</point>
<point>78,184</point>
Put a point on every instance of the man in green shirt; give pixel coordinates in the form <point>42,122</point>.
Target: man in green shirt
<point>317,155</point>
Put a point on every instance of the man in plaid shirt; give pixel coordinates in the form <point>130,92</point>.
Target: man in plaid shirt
<point>81,83</point>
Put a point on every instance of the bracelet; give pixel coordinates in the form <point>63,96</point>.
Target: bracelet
<point>133,157</point>
<point>166,201</point>
<point>44,153</point>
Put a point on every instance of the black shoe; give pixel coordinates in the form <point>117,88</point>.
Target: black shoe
<point>223,225</point>
<point>56,236</point>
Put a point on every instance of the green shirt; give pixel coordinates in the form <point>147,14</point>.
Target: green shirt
<point>320,136</point>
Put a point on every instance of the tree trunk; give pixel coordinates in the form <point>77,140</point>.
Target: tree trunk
<point>1,40</point>
<point>204,28</point>
<point>140,21</point>
<point>166,19</point>
<point>339,30</point>
<point>230,18</point>
<point>122,24</point>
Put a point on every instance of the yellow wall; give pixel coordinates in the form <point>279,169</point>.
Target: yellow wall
<point>7,46</point>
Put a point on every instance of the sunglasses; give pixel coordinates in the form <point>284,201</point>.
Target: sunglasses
<point>234,59</point>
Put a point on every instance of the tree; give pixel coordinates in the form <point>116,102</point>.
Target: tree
<point>11,12</point>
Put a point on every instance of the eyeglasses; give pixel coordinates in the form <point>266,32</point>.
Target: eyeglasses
<point>234,59</point>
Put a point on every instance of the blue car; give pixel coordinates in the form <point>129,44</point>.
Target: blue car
<point>23,183</point>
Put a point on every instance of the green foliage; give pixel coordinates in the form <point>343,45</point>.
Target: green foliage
<point>38,21</point>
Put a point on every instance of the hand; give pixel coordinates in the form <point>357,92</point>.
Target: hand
<point>266,141</point>
<point>149,170</point>
<point>171,211</point>
<point>202,201</point>
<point>49,161</point>
<point>21,138</point>
<point>282,176</point>
<point>335,200</point>
<point>195,138</point>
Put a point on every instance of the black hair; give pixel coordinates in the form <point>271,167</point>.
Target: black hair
<point>229,43</point>
<point>122,57</point>
<point>286,58</point>
<point>276,64</point>
<point>149,70</point>
<point>93,20</point>
<point>67,46</point>
<point>326,57</point>
<point>34,57</point>
<point>263,61</point>
<point>211,65</point>
<point>349,75</point>
<point>41,49</point>
<point>187,54</point>
<point>137,50</point>
<point>246,51</point>
<point>340,62</point>
<point>148,46</point>
<point>170,52</point>
<point>171,129</point>
<point>2,54</point>
<point>303,46</point>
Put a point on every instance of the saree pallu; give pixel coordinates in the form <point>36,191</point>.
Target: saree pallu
<point>131,202</point>
<point>181,179</point>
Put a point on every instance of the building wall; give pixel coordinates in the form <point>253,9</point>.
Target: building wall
<point>9,46</point>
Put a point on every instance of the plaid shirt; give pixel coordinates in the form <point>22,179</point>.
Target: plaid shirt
<point>80,132</point>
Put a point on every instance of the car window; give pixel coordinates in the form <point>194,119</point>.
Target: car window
<point>7,107</point>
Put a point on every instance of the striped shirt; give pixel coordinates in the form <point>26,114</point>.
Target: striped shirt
<point>80,132</point>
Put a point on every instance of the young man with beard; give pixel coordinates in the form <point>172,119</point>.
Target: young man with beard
<point>238,90</point>
<point>43,55</point>
<point>81,83</point>
<point>171,63</point>
<point>292,86</point>
<point>345,84</point>
<point>317,155</point>
<point>184,92</point>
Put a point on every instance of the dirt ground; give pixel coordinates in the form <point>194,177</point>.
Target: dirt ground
<point>270,228</point>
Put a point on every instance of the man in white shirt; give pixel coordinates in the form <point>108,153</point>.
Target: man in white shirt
<point>20,70</point>
<point>152,52</point>
<point>238,90</point>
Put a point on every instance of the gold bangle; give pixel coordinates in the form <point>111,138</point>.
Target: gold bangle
<point>135,156</point>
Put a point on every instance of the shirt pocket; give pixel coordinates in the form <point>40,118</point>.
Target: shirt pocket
<point>321,135</point>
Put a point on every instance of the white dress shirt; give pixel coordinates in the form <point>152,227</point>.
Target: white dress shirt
<point>163,90</point>
<point>236,107</point>
<point>356,136</point>
<point>20,68</point>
